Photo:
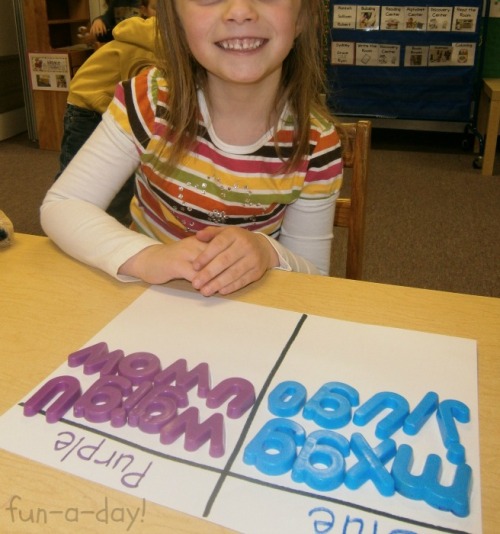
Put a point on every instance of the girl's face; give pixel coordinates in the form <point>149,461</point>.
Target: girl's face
<point>240,41</point>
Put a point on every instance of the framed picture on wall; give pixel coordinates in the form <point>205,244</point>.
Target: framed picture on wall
<point>49,72</point>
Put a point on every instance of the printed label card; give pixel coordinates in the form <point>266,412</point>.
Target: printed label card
<point>342,53</point>
<point>440,56</point>
<point>464,19</point>
<point>392,18</point>
<point>377,55</point>
<point>495,9</point>
<point>49,72</point>
<point>388,55</point>
<point>416,56</point>
<point>368,17</point>
<point>367,54</point>
<point>415,18</point>
<point>463,54</point>
<point>344,17</point>
<point>439,19</point>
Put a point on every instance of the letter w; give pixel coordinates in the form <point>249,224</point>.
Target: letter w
<point>196,433</point>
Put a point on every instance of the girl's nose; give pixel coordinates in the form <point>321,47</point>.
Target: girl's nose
<point>240,11</point>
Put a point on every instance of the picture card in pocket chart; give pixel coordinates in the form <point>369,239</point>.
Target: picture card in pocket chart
<point>264,420</point>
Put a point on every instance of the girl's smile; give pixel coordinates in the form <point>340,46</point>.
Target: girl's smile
<point>242,45</point>
<point>240,41</point>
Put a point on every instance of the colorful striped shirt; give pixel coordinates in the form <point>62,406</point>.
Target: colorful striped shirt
<point>215,183</point>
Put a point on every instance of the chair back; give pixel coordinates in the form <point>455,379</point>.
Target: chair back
<point>350,212</point>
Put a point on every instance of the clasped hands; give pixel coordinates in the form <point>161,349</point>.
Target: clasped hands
<point>215,260</point>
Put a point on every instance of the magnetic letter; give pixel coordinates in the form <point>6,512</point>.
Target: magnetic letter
<point>274,448</point>
<point>287,399</point>
<point>331,406</point>
<point>244,396</point>
<point>67,386</point>
<point>326,449</point>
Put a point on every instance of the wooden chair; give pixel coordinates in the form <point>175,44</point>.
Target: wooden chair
<point>350,212</point>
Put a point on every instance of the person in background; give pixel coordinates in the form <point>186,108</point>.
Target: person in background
<point>238,160</point>
<point>93,86</point>
<point>101,29</point>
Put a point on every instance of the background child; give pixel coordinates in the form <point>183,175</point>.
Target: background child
<point>238,161</point>
<point>92,88</point>
<point>101,29</point>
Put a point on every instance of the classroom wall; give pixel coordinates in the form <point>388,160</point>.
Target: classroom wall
<point>12,113</point>
<point>12,109</point>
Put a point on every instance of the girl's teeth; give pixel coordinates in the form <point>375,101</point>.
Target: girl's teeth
<point>241,44</point>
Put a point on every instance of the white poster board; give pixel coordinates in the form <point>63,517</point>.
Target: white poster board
<point>264,347</point>
<point>49,72</point>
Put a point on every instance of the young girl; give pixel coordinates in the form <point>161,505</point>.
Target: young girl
<point>238,162</point>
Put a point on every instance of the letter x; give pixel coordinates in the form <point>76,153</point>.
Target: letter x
<point>370,465</point>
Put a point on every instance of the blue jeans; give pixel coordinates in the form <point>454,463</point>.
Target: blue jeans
<point>79,123</point>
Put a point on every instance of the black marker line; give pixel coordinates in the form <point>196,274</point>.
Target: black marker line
<point>251,417</point>
<point>226,473</point>
<point>133,445</point>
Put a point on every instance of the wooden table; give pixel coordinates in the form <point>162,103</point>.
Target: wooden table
<point>488,121</point>
<point>51,305</point>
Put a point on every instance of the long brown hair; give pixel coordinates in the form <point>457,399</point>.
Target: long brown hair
<point>302,80</point>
